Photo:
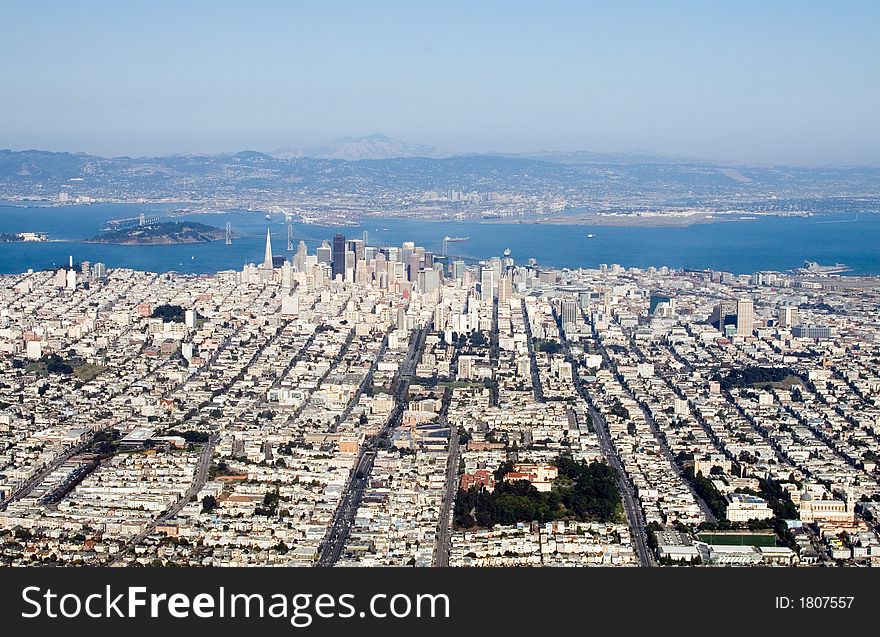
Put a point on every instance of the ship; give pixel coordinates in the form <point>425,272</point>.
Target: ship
<point>455,239</point>
<point>591,236</point>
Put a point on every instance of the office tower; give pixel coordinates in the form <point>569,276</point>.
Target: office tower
<point>458,269</point>
<point>429,280</point>
<point>339,255</point>
<point>412,267</point>
<point>287,277</point>
<point>325,254</point>
<point>569,313</point>
<point>788,316</point>
<point>505,289</point>
<point>495,264</point>
<point>190,318</point>
<point>745,317</point>
<point>267,258</point>
<point>487,284</point>
<point>100,271</point>
<point>379,263</point>
<point>357,246</point>
<point>723,314</point>
<point>71,276</point>
<point>299,261</point>
<point>401,318</point>
<point>657,299</point>
<point>86,269</point>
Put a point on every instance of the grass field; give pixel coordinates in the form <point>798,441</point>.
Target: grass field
<point>88,371</point>
<point>738,539</point>
<point>786,383</point>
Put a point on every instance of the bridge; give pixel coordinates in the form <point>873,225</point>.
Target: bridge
<point>141,220</point>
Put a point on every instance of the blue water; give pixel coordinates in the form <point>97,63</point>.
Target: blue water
<point>769,243</point>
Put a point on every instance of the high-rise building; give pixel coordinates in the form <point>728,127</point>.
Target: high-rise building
<point>357,246</point>
<point>339,249</point>
<point>745,317</point>
<point>302,252</point>
<point>723,314</point>
<point>487,284</point>
<point>267,258</point>
<point>100,271</point>
<point>412,266</point>
<point>569,313</point>
<point>505,289</point>
<point>788,316</point>
<point>657,299</point>
<point>325,253</point>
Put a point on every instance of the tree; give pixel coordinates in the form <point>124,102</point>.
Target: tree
<point>209,503</point>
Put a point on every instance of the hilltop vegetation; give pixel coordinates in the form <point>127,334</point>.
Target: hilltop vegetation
<point>162,234</point>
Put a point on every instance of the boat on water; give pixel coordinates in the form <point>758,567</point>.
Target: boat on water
<point>591,236</point>
<point>448,239</point>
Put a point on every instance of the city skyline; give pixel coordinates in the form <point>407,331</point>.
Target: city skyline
<point>386,406</point>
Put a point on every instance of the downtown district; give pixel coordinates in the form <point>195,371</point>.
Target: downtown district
<point>364,406</point>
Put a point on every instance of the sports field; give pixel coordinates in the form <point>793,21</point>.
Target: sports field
<point>739,539</point>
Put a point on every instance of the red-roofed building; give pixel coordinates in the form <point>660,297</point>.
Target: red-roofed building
<point>479,478</point>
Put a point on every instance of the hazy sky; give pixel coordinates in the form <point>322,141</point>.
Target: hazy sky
<point>793,82</point>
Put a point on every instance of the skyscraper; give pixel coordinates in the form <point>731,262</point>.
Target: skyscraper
<point>569,313</point>
<point>325,254</point>
<point>745,317</point>
<point>339,247</point>
<point>487,285</point>
<point>788,316</point>
<point>267,259</point>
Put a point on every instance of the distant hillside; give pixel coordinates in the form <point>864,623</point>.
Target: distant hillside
<point>401,184</point>
<point>162,234</point>
<point>356,148</point>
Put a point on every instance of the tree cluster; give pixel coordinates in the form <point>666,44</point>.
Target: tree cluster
<point>584,492</point>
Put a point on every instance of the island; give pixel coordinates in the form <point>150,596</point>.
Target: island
<point>15,237</point>
<point>162,234</point>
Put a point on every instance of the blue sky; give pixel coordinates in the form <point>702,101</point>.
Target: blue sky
<point>785,81</point>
